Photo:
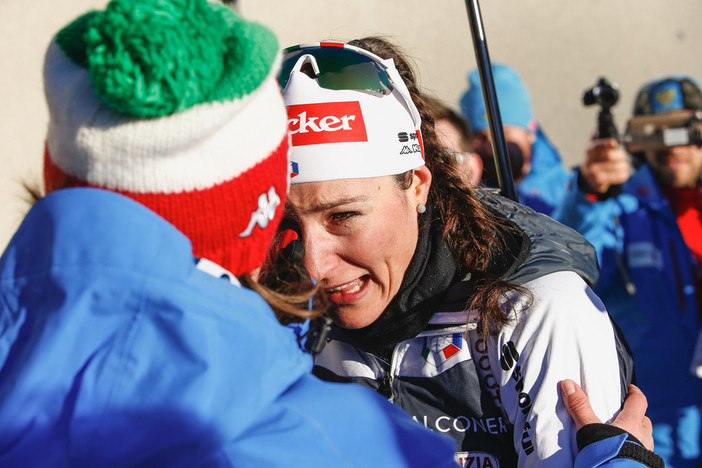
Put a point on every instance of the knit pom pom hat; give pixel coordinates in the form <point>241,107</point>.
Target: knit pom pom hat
<point>173,103</point>
<point>513,98</point>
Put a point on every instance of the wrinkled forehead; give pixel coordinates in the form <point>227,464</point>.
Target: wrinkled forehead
<point>308,197</point>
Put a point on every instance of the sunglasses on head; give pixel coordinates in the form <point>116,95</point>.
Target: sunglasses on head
<point>337,66</point>
<point>340,66</point>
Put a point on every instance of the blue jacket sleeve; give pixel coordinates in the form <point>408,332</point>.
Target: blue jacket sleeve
<point>596,220</point>
<point>609,446</point>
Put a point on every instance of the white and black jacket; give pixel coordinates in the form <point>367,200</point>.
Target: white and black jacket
<point>498,396</point>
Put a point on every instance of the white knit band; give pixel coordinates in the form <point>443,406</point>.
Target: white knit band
<point>194,149</point>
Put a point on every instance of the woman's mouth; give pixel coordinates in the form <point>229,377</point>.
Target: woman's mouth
<point>348,293</point>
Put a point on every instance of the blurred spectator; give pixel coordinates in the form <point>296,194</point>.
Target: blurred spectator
<point>649,242</point>
<point>452,132</point>
<point>536,166</point>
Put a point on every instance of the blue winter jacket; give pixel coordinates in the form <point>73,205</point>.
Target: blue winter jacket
<point>646,283</point>
<point>116,350</point>
<point>544,185</point>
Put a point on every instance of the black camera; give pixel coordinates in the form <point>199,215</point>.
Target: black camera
<point>603,93</point>
<point>606,95</point>
<point>660,132</point>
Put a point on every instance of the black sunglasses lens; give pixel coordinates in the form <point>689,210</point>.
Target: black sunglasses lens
<point>339,69</point>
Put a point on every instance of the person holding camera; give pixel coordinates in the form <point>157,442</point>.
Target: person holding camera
<point>647,229</point>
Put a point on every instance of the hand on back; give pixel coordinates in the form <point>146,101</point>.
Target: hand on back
<point>632,418</point>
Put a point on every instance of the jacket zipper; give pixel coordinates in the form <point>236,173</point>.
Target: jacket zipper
<point>386,383</point>
<point>630,288</point>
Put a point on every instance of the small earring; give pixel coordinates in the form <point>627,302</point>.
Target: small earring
<point>421,208</point>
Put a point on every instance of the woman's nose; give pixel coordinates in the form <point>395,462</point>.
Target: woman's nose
<point>319,253</point>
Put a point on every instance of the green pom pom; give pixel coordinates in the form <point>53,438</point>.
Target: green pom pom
<point>70,38</point>
<point>251,51</point>
<point>151,58</point>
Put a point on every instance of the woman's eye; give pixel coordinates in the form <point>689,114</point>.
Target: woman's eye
<point>344,215</point>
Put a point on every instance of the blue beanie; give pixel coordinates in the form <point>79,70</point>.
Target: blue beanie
<point>512,96</point>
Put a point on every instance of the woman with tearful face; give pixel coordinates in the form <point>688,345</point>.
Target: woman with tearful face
<point>460,306</point>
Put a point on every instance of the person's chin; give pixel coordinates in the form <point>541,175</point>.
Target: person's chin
<point>351,319</point>
<point>677,177</point>
<point>358,314</point>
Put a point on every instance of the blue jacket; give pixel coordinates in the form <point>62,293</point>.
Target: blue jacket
<point>116,350</point>
<point>544,185</point>
<point>646,283</point>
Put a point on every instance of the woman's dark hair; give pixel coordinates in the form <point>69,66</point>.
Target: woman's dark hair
<point>285,283</point>
<point>473,232</point>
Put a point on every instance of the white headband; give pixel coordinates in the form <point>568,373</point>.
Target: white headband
<point>350,134</point>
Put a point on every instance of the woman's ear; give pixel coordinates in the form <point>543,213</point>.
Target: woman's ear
<point>421,183</point>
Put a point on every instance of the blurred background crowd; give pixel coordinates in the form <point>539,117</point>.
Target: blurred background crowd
<point>559,49</point>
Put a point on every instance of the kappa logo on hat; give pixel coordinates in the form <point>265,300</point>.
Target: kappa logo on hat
<point>267,204</point>
<point>327,122</point>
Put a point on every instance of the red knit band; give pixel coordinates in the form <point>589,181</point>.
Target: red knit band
<point>215,218</point>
